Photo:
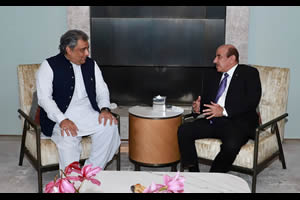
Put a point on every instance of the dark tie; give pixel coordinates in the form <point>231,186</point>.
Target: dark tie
<point>221,89</point>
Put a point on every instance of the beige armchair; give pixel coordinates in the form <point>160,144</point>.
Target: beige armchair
<point>41,151</point>
<point>257,154</point>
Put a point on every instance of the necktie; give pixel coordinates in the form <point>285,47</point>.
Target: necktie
<point>222,87</point>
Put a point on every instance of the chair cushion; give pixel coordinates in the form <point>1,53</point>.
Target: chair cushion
<point>209,148</point>
<point>49,151</point>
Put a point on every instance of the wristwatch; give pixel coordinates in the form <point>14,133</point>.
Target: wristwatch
<point>105,108</point>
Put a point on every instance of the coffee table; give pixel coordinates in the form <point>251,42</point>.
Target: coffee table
<point>120,182</point>
<point>153,138</point>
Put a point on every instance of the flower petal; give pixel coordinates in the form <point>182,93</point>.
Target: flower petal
<point>73,167</point>
<point>66,187</point>
<point>49,187</point>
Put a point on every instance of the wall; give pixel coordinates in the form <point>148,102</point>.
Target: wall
<point>29,34</point>
<point>274,41</point>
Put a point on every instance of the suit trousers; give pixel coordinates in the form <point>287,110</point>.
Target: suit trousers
<point>232,137</point>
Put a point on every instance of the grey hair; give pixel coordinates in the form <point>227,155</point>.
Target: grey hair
<point>70,39</point>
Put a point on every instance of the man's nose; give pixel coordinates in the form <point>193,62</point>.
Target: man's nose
<point>215,60</point>
<point>87,52</point>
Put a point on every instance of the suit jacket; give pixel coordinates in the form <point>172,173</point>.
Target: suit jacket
<point>242,97</point>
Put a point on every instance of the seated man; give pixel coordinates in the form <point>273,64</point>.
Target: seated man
<point>228,105</point>
<point>74,101</point>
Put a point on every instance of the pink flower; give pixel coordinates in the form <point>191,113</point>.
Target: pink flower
<point>171,185</point>
<point>88,173</point>
<point>174,184</point>
<point>66,184</point>
<point>61,185</point>
<point>73,167</point>
<point>50,187</point>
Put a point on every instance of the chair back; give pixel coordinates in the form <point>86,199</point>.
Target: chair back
<point>26,77</point>
<point>275,85</point>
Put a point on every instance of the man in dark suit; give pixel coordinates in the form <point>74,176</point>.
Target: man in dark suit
<point>228,106</point>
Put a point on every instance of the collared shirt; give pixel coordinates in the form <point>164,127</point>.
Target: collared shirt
<point>222,99</point>
<point>80,110</point>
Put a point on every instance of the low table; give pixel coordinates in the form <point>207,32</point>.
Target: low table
<point>121,181</point>
<point>153,138</point>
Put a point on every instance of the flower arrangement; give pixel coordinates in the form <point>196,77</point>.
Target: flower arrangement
<point>66,184</point>
<point>171,185</point>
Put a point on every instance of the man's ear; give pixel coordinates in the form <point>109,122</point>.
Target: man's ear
<point>232,58</point>
<point>68,50</point>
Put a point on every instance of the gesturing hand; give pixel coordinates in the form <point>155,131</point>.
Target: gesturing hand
<point>68,127</point>
<point>106,115</point>
<point>196,105</point>
<point>214,110</point>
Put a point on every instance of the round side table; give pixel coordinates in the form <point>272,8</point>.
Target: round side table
<point>153,138</point>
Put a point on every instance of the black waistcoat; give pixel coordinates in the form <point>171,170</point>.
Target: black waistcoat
<point>63,87</point>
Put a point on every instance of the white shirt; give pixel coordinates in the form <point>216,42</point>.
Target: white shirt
<point>80,110</point>
<point>222,99</point>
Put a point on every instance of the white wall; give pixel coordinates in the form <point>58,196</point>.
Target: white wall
<point>28,35</point>
<point>274,40</point>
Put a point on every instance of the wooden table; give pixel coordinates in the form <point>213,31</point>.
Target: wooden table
<point>120,182</point>
<point>153,138</point>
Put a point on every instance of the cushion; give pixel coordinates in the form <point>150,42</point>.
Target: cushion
<point>49,153</point>
<point>208,148</point>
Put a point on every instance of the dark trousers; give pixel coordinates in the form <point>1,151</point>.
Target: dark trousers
<point>233,138</point>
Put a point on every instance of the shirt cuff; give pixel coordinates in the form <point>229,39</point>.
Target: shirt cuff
<point>60,117</point>
<point>225,112</point>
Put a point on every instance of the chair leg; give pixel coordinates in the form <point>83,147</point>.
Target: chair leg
<point>22,150</point>
<point>255,158</point>
<point>119,161</point>
<point>281,154</point>
<point>174,168</point>
<point>254,182</point>
<point>39,159</point>
<point>40,181</point>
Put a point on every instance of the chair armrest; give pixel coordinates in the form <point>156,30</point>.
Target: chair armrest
<point>188,116</point>
<point>270,123</point>
<point>117,116</point>
<point>29,120</point>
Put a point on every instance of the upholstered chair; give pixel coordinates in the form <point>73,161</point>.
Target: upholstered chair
<point>255,155</point>
<point>39,149</point>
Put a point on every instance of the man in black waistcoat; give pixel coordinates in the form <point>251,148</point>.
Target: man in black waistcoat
<point>228,106</point>
<point>74,102</point>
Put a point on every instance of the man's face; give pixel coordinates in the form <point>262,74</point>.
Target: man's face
<point>79,53</point>
<point>223,63</point>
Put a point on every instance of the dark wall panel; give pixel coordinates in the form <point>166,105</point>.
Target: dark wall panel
<point>144,51</point>
<point>133,85</point>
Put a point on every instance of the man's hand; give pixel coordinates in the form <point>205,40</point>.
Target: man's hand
<point>214,110</point>
<point>196,105</point>
<point>68,127</point>
<point>106,115</point>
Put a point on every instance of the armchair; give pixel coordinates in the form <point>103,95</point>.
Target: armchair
<point>41,151</point>
<point>257,154</point>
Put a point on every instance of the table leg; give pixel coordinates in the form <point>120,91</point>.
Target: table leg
<point>174,168</point>
<point>137,167</point>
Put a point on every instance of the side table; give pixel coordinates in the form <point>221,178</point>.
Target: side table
<point>153,138</point>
